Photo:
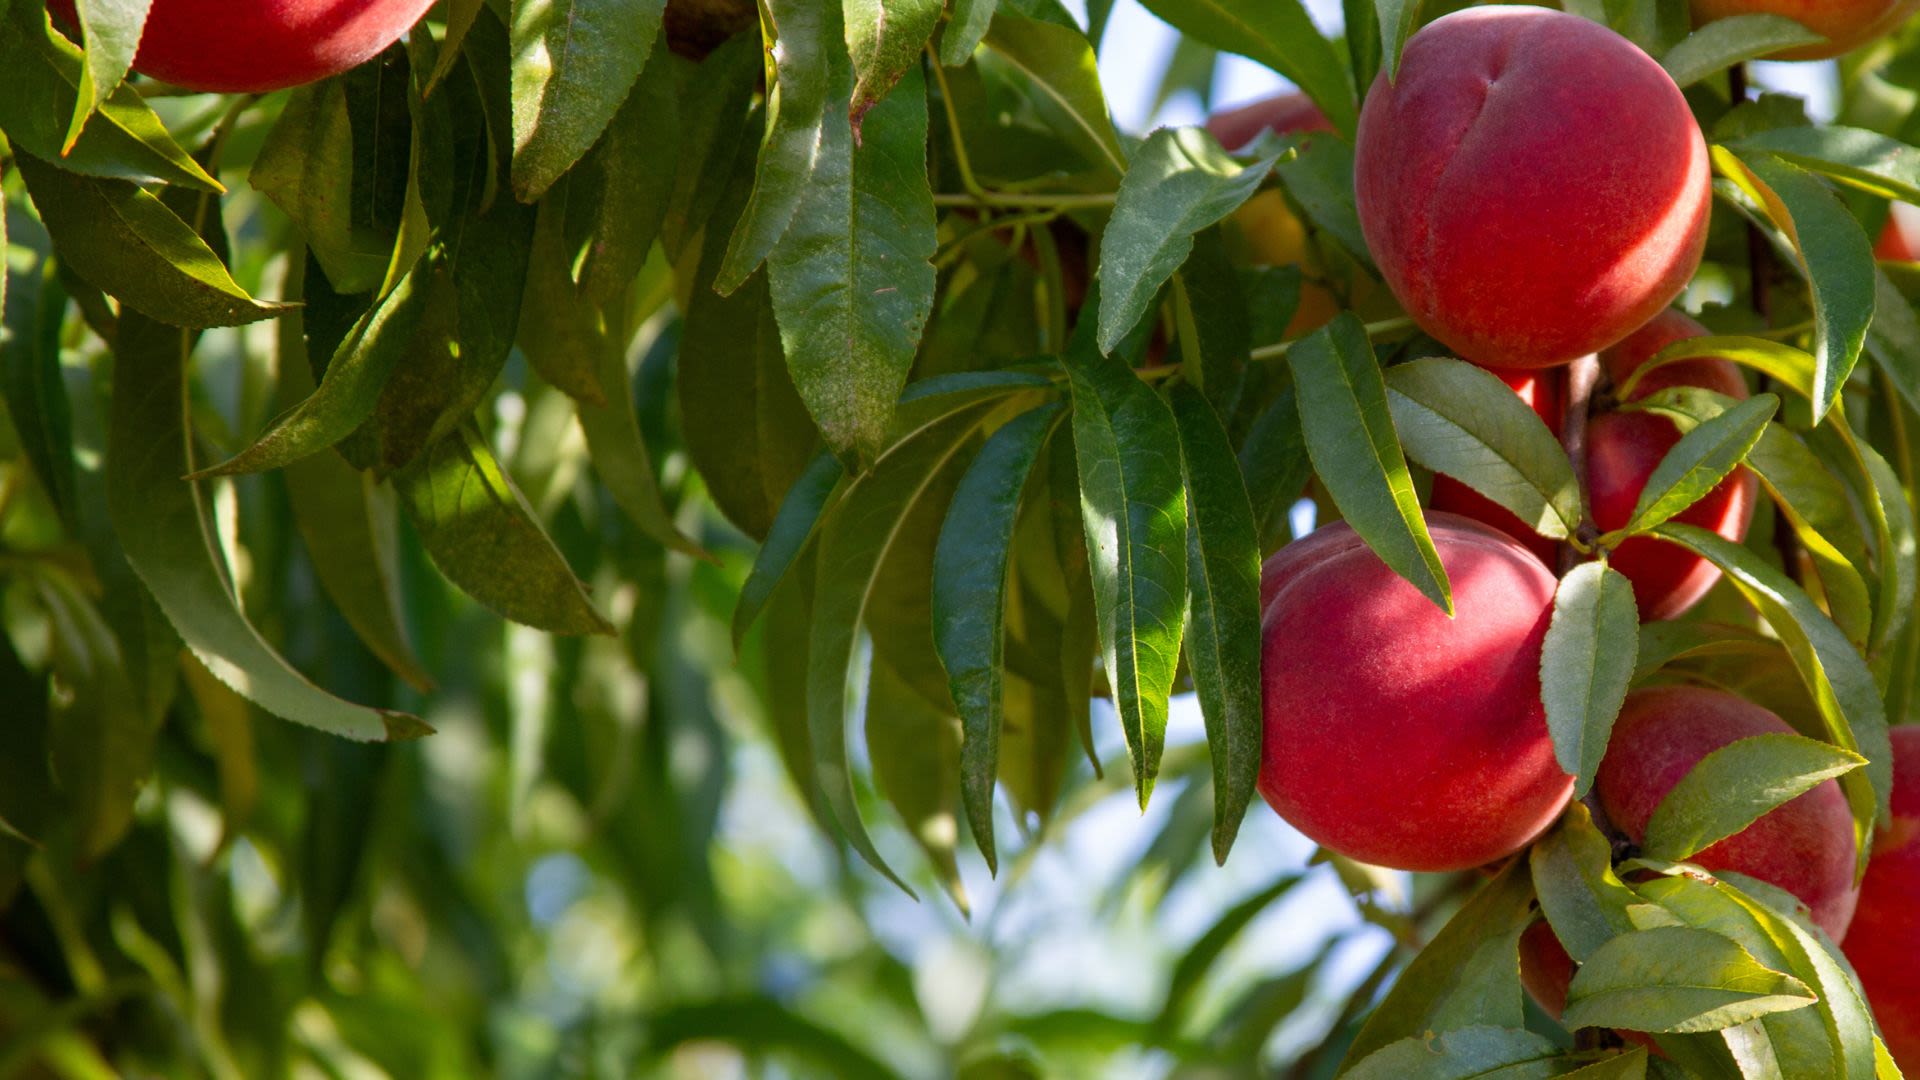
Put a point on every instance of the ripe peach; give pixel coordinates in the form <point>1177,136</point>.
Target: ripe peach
<point>253,46</point>
<point>1394,734</point>
<point>1284,113</point>
<point>1846,24</point>
<point>1885,939</point>
<point>1545,391</point>
<point>1533,187</point>
<point>1805,846</point>
<point>1897,238</point>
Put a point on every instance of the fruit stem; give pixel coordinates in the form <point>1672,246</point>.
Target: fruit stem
<point>1583,376</point>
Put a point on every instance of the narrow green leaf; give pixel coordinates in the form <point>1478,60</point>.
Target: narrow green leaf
<point>797,130</point>
<point>1735,39</point>
<point>1814,958</point>
<point>30,375</point>
<point>1785,364</point>
<point>620,455</point>
<point>1356,452</point>
<point>40,92</point>
<point>1319,176</point>
<point>350,389</point>
<point>1894,338</point>
<point>1134,511</point>
<point>1863,159</point>
<point>1583,899</point>
<point>1840,682</point>
<point>1896,544</point>
<point>1179,183</point>
<point>461,15</point>
<point>852,279</point>
<point>915,747</point>
<point>716,116</point>
<point>970,597</point>
<point>1223,591</point>
<point>306,166</point>
<point>483,536</point>
<point>1397,21</point>
<point>855,539</point>
<point>559,330</point>
<point>1677,979</point>
<point>1459,419</point>
<point>1467,976</point>
<point>1276,466</point>
<point>625,170</point>
<point>1064,79</point>
<point>1736,785</point>
<point>1279,34</point>
<point>806,502</point>
<point>884,40</point>
<point>1463,1054</point>
<point>1586,665</point>
<point>965,27</point>
<point>573,63</point>
<point>125,241</point>
<point>1200,957</point>
<point>1834,252</point>
<point>1699,461</point>
<point>111,30</point>
<point>1213,323</point>
<point>164,527</point>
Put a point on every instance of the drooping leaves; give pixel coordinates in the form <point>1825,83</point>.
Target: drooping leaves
<point>573,63</point>
<point>1586,665</point>
<point>1677,979</point>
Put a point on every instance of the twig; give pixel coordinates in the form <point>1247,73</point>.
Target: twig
<point>1374,330</point>
<point>1583,376</point>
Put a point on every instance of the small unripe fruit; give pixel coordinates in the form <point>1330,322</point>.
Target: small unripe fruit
<point>1532,186</point>
<point>1398,736</point>
<point>1804,846</point>
<point>253,46</point>
<point>1884,943</point>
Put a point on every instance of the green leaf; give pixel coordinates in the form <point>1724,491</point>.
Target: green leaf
<point>1736,785</point>
<point>306,166</point>
<point>1464,1054</point>
<point>620,455</point>
<point>915,748</point>
<point>716,116</point>
<point>1631,1065</point>
<point>461,15</point>
<point>806,502</point>
<point>1856,157</point>
<point>1894,338</point>
<point>1783,363</point>
<point>884,39</point>
<point>1583,899</point>
<point>1212,323</point>
<point>1134,511</point>
<point>1064,81</point>
<point>573,63</point>
<point>484,537</point>
<point>1223,589</point>
<point>1841,685</point>
<point>625,171</point>
<point>1834,252</point>
<point>559,330</point>
<point>797,130</point>
<point>39,93</point>
<point>1586,665</point>
<point>1179,183</point>
<point>1398,18</point>
<point>1277,33</point>
<point>165,528</point>
<point>970,598</point>
<point>1200,957</point>
<point>111,30</point>
<point>1893,519</point>
<point>30,377</point>
<point>965,27</point>
<point>125,241</point>
<point>1356,452</point>
<point>1467,976</point>
<point>350,389</point>
<point>1276,466</point>
<point>1677,979</point>
<point>853,279</point>
<point>1319,176</point>
<point>1735,39</point>
<point>1698,463</point>
<point>855,539</point>
<point>1461,420</point>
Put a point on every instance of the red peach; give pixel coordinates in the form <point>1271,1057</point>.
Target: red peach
<point>1805,846</point>
<point>1283,113</point>
<point>1846,24</point>
<point>1898,235</point>
<point>1532,186</point>
<point>1884,943</point>
<point>1398,736</point>
<point>253,46</point>
<point>1545,392</point>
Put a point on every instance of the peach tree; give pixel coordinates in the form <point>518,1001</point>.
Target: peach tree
<point>1507,438</point>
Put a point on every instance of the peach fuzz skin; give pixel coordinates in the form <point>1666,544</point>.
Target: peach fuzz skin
<point>1532,186</point>
<point>253,46</point>
<point>1805,846</point>
<point>1846,24</point>
<point>1395,735</point>
<point>1283,113</point>
<point>1884,943</point>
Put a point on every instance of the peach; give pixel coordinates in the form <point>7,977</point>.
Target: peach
<point>1547,973</point>
<point>1284,113</point>
<point>253,46</point>
<point>1805,846</point>
<point>1885,940</point>
<point>1898,235</point>
<point>1846,24</point>
<point>1533,187</point>
<point>1545,391</point>
<point>1398,736</point>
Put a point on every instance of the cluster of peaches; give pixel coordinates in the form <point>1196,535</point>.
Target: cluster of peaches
<point>1534,189</point>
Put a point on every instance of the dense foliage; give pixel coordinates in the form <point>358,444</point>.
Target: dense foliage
<point>430,494</point>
